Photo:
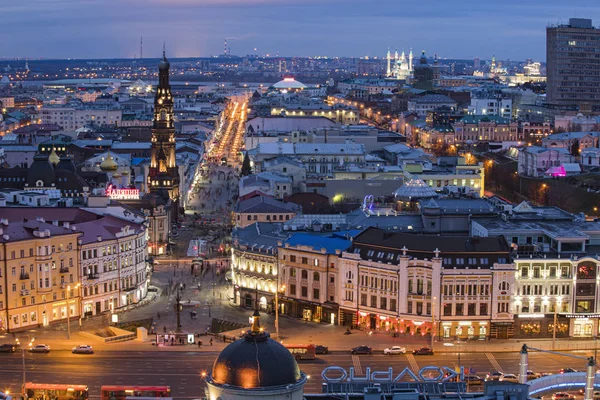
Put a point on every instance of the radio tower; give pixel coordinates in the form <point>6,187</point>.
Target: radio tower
<point>141,47</point>
<point>225,47</point>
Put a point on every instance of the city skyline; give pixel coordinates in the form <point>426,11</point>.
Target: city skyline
<point>197,28</point>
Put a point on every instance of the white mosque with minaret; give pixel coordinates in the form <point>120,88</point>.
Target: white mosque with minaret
<point>398,67</point>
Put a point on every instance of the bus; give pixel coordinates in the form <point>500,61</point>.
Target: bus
<point>302,351</point>
<point>52,391</point>
<point>123,392</point>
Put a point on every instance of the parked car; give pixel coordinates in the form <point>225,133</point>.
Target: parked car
<point>319,349</point>
<point>509,378</point>
<point>395,350</point>
<point>40,348</point>
<point>474,380</point>
<point>83,349</point>
<point>562,396</point>
<point>567,370</point>
<point>362,350</point>
<point>423,351</point>
<point>494,376</point>
<point>533,375</point>
<point>8,348</point>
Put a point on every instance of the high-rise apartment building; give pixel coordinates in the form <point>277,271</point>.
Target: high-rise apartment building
<point>573,65</point>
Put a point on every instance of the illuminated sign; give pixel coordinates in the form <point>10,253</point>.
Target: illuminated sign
<point>122,194</point>
<point>580,316</point>
<point>425,374</point>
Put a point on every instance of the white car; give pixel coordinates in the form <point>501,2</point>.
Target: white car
<point>82,349</point>
<point>395,350</point>
<point>509,378</point>
<point>40,348</point>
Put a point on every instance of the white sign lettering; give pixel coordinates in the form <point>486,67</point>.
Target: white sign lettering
<point>425,374</point>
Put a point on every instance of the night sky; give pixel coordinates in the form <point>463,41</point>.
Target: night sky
<point>512,29</point>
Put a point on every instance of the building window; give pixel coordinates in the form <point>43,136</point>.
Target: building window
<point>409,304</point>
<point>460,309</point>
<point>304,291</point>
<point>293,272</point>
<point>374,301</point>
<point>292,289</point>
<point>316,276</point>
<point>383,303</point>
<point>363,299</point>
<point>304,260</point>
<point>316,294</point>
<point>471,309</point>
<point>447,309</point>
<point>392,304</point>
<point>304,274</point>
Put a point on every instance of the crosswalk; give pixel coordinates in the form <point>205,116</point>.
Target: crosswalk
<point>413,363</point>
<point>356,364</point>
<point>493,361</point>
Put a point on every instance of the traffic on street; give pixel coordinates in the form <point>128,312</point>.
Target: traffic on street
<point>183,370</point>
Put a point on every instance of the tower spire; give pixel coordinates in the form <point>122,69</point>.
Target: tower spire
<point>164,51</point>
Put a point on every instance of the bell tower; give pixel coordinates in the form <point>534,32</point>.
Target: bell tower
<point>163,176</point>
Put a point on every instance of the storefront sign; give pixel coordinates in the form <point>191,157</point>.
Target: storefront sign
<point>531,316</point>
<point>425,374</point>
<point>580,316</point>
<point>122,194</point>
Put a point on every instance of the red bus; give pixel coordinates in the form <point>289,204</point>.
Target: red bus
<point>122,392</point>
<point>302,351</point>
<point>51,391</point>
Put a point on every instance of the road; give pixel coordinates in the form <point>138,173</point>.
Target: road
<point>182,370</point>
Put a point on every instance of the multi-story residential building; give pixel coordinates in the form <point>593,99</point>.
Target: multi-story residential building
<point>451,287</point>
<point>578,122</point>
<point>309,276</point>
<point>488,105</point>
<point>556,270</point>
<point>254,265</point>
<point>263,209</point>
<point>341,114</point>
<point>536,161</point>
<point>40,273</point>
<point>111,261</point>
<point>566,140</point>
<point>486,128</point>
<point>571,65</point>
<point>319,158</point>
<point>534,132</point>
<point>113,264</point>
<point>74,117</point>
<point>430,102</point>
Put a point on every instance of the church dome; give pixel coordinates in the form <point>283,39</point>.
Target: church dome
<point>256,361</point>
<point>109,164</point>
<point>54,158</point>
<point>116,175</point>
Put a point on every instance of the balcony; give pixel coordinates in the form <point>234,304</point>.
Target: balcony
<point>64,270</point>
<point>93,276</point>
<point>24,276</point>
<point>24,292</point>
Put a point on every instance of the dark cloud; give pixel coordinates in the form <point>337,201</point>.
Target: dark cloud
<point>111,28</point>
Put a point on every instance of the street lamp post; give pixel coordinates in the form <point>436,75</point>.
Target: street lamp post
<point>277,307</point>
<point>556,305</point>
<point>69,310</point>
<point>23,358</point>
<point>433,321</point>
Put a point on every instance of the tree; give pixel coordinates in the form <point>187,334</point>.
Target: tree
<point>574,150</point>
<point>246,168</point>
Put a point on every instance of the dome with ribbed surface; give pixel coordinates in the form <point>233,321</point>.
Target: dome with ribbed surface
<point>255,361</point>
<point>54,158</point>
<point>413,190</point>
